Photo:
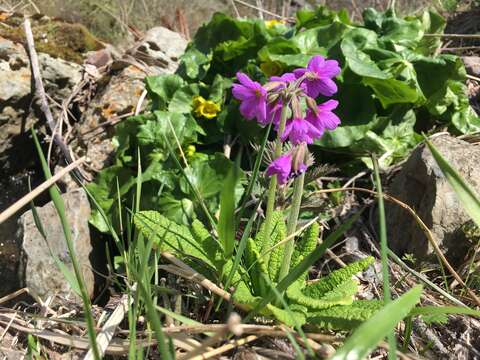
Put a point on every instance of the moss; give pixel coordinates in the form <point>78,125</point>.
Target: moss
<point>56,38</point>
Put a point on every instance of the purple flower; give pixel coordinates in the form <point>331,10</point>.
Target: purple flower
<point>324,118</point>
<point>285,78</point>
<point>274,112</point>
<point>319,74</point>
<point>299,130</point>
<point>253,98</point>
<point>281,166</point>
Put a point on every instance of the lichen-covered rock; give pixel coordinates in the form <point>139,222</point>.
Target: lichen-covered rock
<point>422,186</point>
<point>38,269</point>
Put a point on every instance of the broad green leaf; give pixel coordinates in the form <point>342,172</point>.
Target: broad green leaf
<point>345,317</point>
<point>391,91</point>
<point>161,89</point>
<point>353,44</point>
<point>370,333</point>
<point>169,236</point>
<point>465,193</point>
<point>304,265</point>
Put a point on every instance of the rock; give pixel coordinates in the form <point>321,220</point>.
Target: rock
<point>122,88</point>
<point>422,186</point>
<point>16,95</point>
<point>472,64</point>
<point>161,48</point>
<point>38,269</point>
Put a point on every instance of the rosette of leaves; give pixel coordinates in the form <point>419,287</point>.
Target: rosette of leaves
<point>328,302</point>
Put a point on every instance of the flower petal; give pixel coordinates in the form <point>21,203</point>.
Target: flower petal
<point>241,92</point>
<point>316,63</point>
<point>330,69</point>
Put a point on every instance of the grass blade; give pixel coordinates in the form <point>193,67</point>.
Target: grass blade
<point>256,171</point>
<point>465,193</point>
<point>370,333</point>
<point>226,221</point>
<point>60,207</point>
<point>387,296</point>
<point>444,310</point>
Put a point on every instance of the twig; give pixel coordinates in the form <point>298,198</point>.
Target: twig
<point>260,9</point>
<point>476,78</point>
<point>40,93</point>
<point>105,336</point>
<point>7,213</point>
<point>192,275</point>
<point>140,102</point>
<point>235,9</point>
<point>462,36</point>
<point>422,225</point>
<point>229,346</point>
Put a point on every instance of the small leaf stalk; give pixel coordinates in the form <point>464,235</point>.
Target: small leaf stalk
<point>272,188</point>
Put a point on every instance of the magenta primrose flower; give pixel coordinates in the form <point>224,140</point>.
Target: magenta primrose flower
<point>319,74</point>
<point>324,118</point>
<point>253,98</point>
<point>300,130</point>
<point>281,166</point>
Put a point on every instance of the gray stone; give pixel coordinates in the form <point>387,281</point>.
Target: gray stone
<point>159,52</point>
<point>472,64</point>
<point>16,95</point>
<point>161,48</point>
<point>38,269</point>
<point>422,186</point>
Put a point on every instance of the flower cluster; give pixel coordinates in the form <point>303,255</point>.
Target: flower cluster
<point>288,102</point>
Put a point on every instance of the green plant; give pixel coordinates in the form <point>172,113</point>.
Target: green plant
<point>392,85</point>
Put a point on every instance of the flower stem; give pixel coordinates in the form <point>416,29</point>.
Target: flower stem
<point>292,225</point>
<point>272,188</point>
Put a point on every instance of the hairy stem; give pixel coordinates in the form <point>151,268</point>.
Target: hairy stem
<point>272,188</point>
<point>292,225</point>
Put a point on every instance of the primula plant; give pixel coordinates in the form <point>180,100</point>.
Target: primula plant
<point>288,103</point>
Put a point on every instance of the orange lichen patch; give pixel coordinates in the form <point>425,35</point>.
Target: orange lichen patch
<point>108,111</point>
<point>4,16</point>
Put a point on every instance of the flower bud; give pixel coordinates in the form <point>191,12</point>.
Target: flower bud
<point>272,85</point>
<point>299,154</point>
<point>312,104</point>
<point>271,98</point>
<point>296,108</point>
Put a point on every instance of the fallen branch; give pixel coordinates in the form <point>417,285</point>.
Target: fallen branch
<point>40,94</point>
<point>7,213</point>
<point>105,336</point>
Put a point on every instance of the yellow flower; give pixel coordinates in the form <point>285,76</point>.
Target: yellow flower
<point>190,150</point>
<point>206,108</point>
<point>271,68</point>
<point>271,23</point>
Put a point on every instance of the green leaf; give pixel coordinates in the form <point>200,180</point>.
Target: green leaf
<point>391,91</point>
<point>353,44</point>
<point>345,317</point>
<point>169,236</point>
<point>341,294</point>
<point>465,193</point>
<point>289,318</point>
<point>370,333</point>
<point>161,89</point>
<point>303,266</point>
<point>336,278</point>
